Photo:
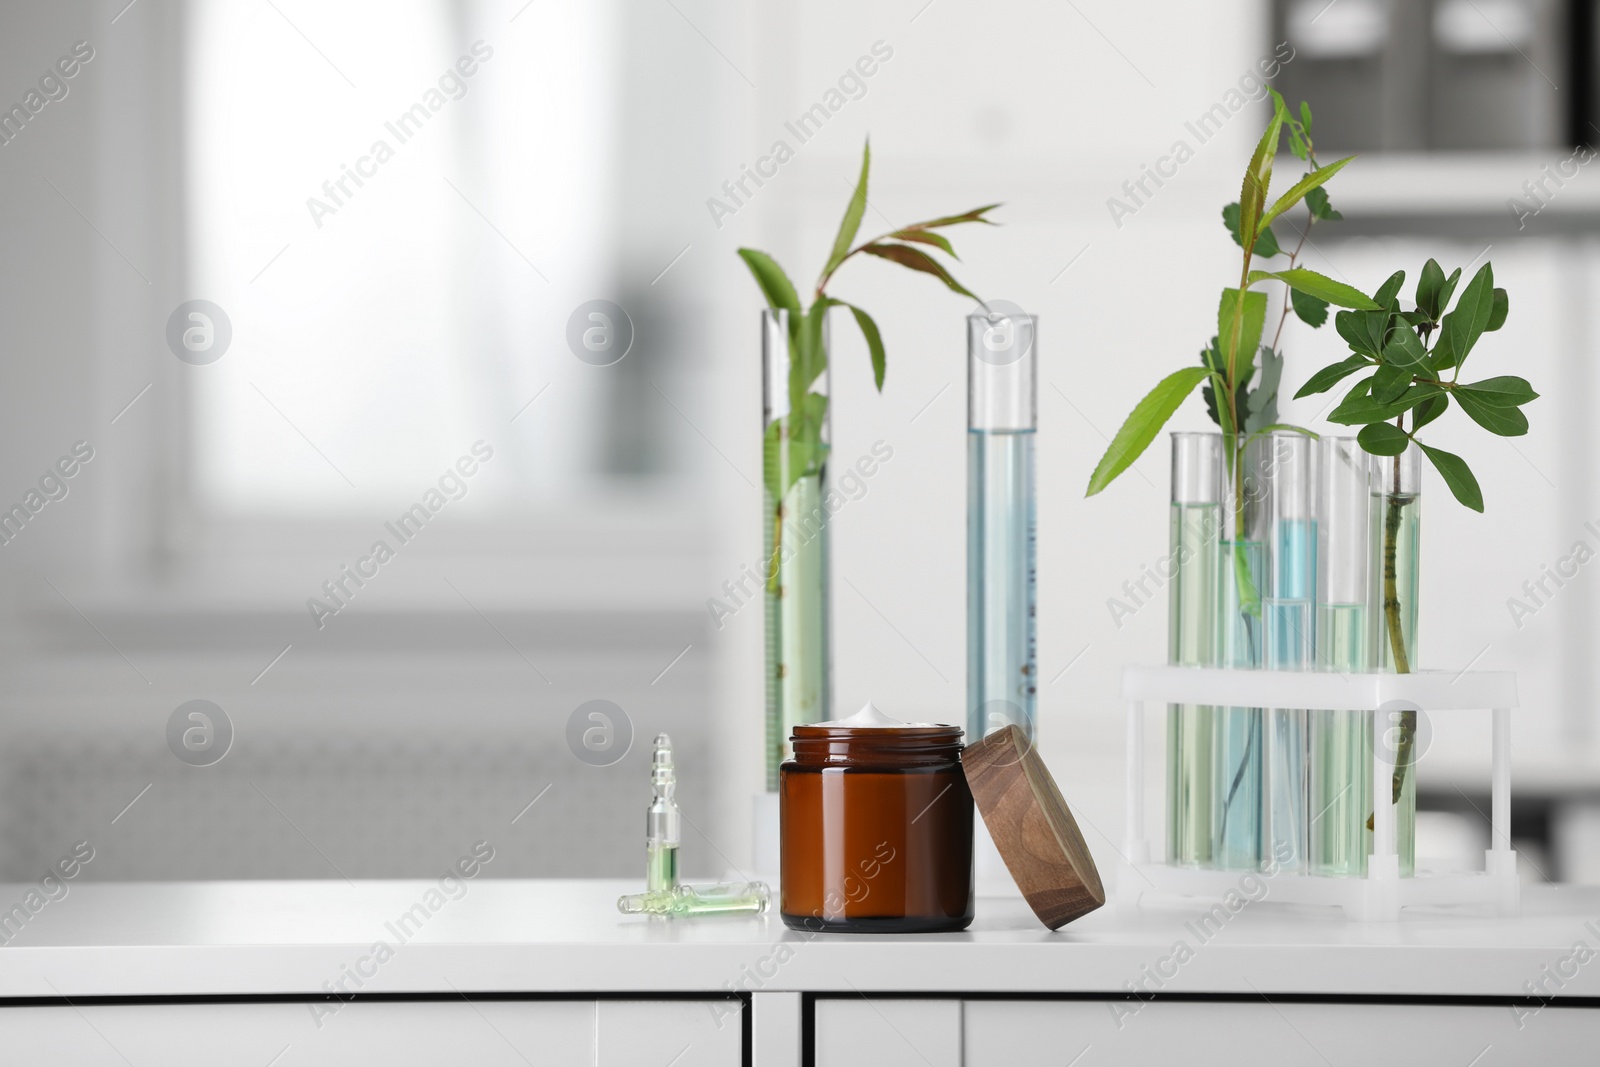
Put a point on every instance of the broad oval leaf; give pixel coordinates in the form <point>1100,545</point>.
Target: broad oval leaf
<point>1357,409</point>
<point>1429,410</point>
<point>1461,328</point>
<point>1405,350</point>
<point>1383,439</point>
<point>1320,286</point>
<point>1498,311</point>
<point>1311,311</point>
<point>1506,422</point>
<point>1505,391</point>
<point>1331,375</point>
<point>1457,475</point>
<point>1429,284</point>
<point>1143,423</point>
<point>1390,382</point>
<point>1389,289</point>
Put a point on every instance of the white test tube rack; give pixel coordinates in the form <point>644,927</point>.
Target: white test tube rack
<point>1382,893</point>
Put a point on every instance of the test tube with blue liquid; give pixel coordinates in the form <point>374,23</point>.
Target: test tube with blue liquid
<point>1002,415</point>
<point>1289,616</point>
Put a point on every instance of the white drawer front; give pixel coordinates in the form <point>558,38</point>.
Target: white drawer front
<point>857,1032</point>
<point>394,1033</point>
<point>1162,1033</point>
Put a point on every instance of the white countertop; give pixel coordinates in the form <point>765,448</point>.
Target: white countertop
<point>502,935</point>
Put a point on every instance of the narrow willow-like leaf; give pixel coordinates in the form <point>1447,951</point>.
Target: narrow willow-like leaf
<point>1258,179</point>
<point>975,215</point>
<point>1320,286</point>
<point>775,285</point>
<point>1237,351</point>
<point>1457,475</point>
<point>1299,189</point>
<point>851,223</point>
<point>927,237</point>
<point>1143,423</point>
<point>869,330</point>
<point>917,260</point>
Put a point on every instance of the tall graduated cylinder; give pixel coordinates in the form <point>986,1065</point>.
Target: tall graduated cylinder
<point>1396,542</point>
<point>794,528</point>
<point>1195,525</point>
<point>1002,415</point>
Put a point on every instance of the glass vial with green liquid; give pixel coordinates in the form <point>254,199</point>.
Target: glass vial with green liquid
<point>1341,741</point>
<point>795,535</point>
<point>1002,415</point>
<point>1236,783</point>
<point>1288,610</point>
<point>1194,527</point>
<point>1396,540</point>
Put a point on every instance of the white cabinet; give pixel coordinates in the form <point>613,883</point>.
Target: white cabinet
<point>1085,1033</point>
<point>514,1033</point>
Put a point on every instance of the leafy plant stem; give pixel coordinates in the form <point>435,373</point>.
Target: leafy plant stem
<point>1294,258</point>
<point>1391,614</point>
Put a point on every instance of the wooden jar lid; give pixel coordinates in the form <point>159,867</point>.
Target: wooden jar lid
<point>1032,828</point>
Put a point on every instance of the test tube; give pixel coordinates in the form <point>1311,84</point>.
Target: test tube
<point>1289,613</point>
<point>1195,525</point>
<point>1002,415</point>
<point>1341,741</point>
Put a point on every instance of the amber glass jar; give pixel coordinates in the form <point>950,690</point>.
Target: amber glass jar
<point>877,830</point>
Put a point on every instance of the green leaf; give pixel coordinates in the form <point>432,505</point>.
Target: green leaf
<point>1230,219</point>
<point>775,285</point>
<point>1390,382</point>
<point>1461,328</point>
<point>1312,311</point>
<point>1236,350</point>
<point>918,260</point>
<point>975,215</point>
<point>1506,422</point>
<point>1384,297</point>
<point>1429,410</point>
<point>1257,180</point>
<point>1317,202</point>
<point>1331,375</point>
<point>1142,425</point>
<point>1364,331</point>
<point>1506,391</point>
<point>869,330</point>
<point>1299,189</point>
<point>1383,439</point>
<point>1449,289</point>
<point>1267,244</point>
<point>1305,116</point>
<point>927,237</point>
<point>810,354</point>
<point>1261,402</point>
<point>1359,408</point>
<point>1498,311</point>
<point>1429,285</point>
<point>851,223</point>
<point>1457,475</point>
<point>1318,285</point>
<point>1405,350</point>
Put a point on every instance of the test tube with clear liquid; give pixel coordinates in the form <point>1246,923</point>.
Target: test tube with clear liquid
<point>1002,415</point>
<point>1195,524</point>
<point>1341,741</point>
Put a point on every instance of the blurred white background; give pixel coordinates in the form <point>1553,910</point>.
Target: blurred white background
<point>371,351</point>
